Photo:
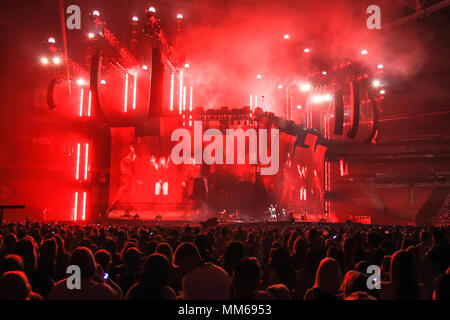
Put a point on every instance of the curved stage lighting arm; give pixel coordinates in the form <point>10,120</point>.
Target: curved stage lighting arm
<point>96,63</point>
<point>74,67</point>
<point>50,98</point>
<point>153,30</point>
<point>375,128</point>
<point>128,58</point>
<point>290,128</point>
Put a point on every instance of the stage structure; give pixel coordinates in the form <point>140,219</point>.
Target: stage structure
<point>132,97</point>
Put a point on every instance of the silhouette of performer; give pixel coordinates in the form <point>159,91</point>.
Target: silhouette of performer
<point>127,179</point>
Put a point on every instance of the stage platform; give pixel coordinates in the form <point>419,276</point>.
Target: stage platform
<point>195,216</point>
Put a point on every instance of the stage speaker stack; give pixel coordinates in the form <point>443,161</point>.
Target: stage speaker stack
<point>375,129</point>
<point>94,84</point>
<point>156,89</point>
<point>355,98</point>
<point>339,113</point>
<point>51,88</point>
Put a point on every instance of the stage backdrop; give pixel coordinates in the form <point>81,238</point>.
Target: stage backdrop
<point>298,185</point>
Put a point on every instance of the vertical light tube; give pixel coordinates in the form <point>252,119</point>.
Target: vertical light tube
<point>256,102</point>
<point>190,99</point>
<point>86,160</point>
<point>84,207</point>
<point>251,102</point>
<point>125,104</point>
<point>81,102</point>
<point>134,91</point>
<point>75,207</point>
<point>77,172</point>
<point>89,103</point>
<point>172,83</point>
<point>180,106</point>
<point>184,98</point>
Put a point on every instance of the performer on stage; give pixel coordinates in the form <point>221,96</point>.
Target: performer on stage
<point>288,181</point>
<point>127,179</point>
<point>162,182</point>
<point>317,192</point>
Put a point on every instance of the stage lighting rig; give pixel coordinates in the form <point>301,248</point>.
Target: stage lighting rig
<point>305,87</point>
<point>152,29</point>
<point>127,58</point>
<point>56,60</point>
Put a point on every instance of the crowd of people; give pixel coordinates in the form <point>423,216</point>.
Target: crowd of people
<point>259,262</point>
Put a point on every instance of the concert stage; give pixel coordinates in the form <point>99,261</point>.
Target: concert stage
<point>160,214</point>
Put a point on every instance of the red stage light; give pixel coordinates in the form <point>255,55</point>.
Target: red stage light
<point>81,101</point>
<point>180,105</point>
<point>299,107</point>
<point>77,169</point>
<point>91,35</point>
<point>134,91</point>
<point>187,65</point>
<point>364,52</point>
<point>84,206</point>
<point>75,208</point>
<point>144,67</point>
<point>184,98</point>
<point>51,40</point>
<point>152,9</point>
<point>125,103</point>
<point>322,98</point>
<point>280,86</point>
<point>89,103</point>
<point>190,99</point>
<point>324,73</point>
<point>81,82</point>
<point>305,87</point>
<point>172,82</point>
<point>259,76</point>
<point>376,83</point>
<point>382,92</point>
<point>56,60</point>
<point>135,18</point>
<point>102,81</point>
<point>44,61</point>
<point>179,16</point>
<point>307,50</point>
<point>96,13</point>
<point>380,66</point>
<point>86,160</point>
<point>286,37</point>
